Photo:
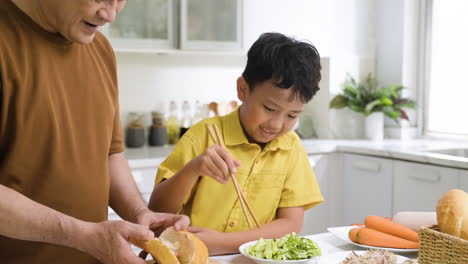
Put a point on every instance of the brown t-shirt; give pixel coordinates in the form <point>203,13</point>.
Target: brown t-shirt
<point>59,122</point>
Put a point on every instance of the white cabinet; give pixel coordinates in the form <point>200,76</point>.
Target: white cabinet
<point>367,187</point>
<point>162,25</point>
<point>464,180</point>
<point>143,24</point>
<point>418,187</point>
<point>210,24</point>
<point>317,218</point>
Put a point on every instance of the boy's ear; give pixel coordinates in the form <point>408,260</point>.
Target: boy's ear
<point>242,89</point>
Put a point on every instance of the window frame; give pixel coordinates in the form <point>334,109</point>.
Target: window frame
<point>424,87</point>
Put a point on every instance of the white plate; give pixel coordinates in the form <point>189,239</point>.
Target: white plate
<point>337,257</point>
<point>342,233</point>
<point>270,261</point>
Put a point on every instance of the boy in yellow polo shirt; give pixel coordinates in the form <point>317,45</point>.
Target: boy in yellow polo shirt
<point>263,152</point>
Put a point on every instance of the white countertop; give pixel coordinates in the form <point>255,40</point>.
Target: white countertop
<point>410,150</point>
<point>327,242</point>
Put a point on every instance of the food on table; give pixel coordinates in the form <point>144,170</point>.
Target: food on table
<point>452,213</point>
<point>389,227</point>
<point>371,237</point>
<point>352,234</point>
<point>174,247</point>
<point>374,257</point>
<point>415,220</point>
<point>289,247</point>
<point>371,256</point>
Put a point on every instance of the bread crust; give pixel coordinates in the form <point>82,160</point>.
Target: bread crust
<point>190,249</point>
<point>452,213</point>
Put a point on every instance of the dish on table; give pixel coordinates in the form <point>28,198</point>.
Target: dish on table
<point>342,233</point>
<point>312,250</point>
<point>338,257</point>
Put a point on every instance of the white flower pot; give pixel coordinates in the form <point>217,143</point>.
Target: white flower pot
<point>374,126</point>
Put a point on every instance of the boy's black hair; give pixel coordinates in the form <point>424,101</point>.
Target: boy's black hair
<point>288,62</point>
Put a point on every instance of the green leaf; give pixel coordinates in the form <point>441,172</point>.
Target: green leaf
<point>338,102</point>
<point>370,106</point>
<point>386,101</point>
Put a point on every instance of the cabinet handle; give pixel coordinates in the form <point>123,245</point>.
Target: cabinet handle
<point>426,178</point>
<point>367,166</point>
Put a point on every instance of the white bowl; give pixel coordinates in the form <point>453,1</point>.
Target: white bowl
<point>270,261</point>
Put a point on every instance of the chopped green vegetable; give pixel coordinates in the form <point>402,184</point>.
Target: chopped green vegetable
<point>289,247</point>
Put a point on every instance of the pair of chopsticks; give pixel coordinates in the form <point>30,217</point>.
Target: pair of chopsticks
<point>218,140</point>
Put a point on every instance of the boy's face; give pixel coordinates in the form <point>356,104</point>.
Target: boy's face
<point>267,111</point>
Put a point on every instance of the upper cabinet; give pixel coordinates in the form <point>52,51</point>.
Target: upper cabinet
<point>148,25</point>
<point>143,24</point>
<point>210,24</point>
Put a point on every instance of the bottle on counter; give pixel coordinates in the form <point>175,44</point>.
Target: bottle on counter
<point>158,133</point>
<point>135,132</point>
<point>201,112</point>
<point>186,118</point>
<point>172,124</point>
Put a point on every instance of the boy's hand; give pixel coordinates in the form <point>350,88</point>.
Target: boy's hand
<point>214,240</point>
<point>158,222</point>
<point>217,163</point>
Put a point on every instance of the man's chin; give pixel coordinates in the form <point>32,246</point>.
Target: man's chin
<point>82,39</point>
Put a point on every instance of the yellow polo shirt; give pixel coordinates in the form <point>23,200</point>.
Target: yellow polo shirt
<point>278,176</point>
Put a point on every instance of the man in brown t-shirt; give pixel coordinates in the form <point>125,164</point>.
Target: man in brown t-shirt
<point>61,161</point>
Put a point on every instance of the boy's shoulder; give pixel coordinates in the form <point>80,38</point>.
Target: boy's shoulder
<point>200,128</point>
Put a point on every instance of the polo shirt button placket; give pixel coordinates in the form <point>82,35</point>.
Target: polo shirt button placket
<point>232,223</point>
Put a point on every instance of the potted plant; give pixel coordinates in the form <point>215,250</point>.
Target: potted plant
<point>373,101</point>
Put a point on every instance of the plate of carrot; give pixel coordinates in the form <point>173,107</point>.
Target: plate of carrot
<point>379,233</point>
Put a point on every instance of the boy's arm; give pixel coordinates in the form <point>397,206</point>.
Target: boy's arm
<point>289,219</point>
<point>169,195</point>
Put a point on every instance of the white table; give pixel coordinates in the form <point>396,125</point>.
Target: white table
<point>326,241</point>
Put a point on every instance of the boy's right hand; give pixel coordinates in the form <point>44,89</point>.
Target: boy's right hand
<point>217,163</point>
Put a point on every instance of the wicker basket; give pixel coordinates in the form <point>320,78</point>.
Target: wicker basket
<point>439,248</point>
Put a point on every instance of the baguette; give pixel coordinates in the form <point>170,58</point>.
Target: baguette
<point>174,247</point>
<point>452,213</point>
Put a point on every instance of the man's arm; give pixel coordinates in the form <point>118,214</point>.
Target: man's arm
<point>25,219</point>
<point>125,199</point>
<point>288,220</point>
<point>124,196</point>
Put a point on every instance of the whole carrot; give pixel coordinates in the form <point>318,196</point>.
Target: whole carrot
<point>371,237</point>
<point>389,227</point>
<point>352,234</point>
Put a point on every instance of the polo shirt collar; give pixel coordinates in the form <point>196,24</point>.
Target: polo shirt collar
<point>233,134</point>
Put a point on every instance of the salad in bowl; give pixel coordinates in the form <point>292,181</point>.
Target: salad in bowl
<point>289,249</point>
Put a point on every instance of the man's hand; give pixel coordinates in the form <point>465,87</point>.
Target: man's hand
<point>157,222</point>
<point>214,240</point>
<point>108,241</point>
<point>216,162</point>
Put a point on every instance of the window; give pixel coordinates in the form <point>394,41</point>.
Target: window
<point>446,64</point>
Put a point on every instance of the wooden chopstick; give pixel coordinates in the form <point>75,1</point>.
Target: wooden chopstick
<point>218,139</point>
<point>234,179</point>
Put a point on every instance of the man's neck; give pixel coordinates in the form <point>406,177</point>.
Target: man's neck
<point>33,10</point>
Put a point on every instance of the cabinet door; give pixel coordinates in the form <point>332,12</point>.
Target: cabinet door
<point>143,24</point>
<point>464,180</point>
<point>367,188</point>
<point>418,187</point>
<point>210,24</point>
<point>316,219</point>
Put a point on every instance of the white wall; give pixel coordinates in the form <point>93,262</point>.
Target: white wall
<point>353,34</point>
<point>148,80</point>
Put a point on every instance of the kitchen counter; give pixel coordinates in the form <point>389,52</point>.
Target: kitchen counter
<point>328,243</point>
<point>410,150</point>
